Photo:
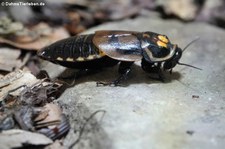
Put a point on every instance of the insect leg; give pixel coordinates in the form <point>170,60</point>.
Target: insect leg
<point>124,70</point>
<point>153,68</point>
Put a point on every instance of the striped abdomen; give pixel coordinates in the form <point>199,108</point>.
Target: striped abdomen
<point>73,49</point>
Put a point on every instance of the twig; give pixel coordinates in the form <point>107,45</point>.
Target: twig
<point>82,129</point>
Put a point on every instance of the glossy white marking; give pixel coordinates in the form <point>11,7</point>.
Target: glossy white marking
<point>69,59</point>
<point>59,59</point>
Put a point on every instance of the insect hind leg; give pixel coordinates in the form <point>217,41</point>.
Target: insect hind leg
<point>124,71</point>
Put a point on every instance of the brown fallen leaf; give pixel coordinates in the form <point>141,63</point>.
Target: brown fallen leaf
<point>46,37</point>
<point>42,115</point>
<point>54,124</point>
<point>53,117</point>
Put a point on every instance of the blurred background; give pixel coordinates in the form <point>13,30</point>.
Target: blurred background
<point>22,25</point>
<point>155,111</point>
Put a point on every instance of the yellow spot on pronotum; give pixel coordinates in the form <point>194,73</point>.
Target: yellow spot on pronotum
<point>80,59</point>
<point>161,44</point>
<point>59,59</point>
<point>163,38</point>
<point>69,59</point>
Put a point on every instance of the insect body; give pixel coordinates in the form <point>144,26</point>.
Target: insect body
<point>107,48</point>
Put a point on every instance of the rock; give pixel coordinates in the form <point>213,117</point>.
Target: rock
<point>16,138</point>
<point>151,114</point>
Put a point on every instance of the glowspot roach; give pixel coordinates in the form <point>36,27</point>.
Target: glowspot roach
<point>107,48</point>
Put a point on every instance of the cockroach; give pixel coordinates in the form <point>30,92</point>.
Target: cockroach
<point>107,48</point>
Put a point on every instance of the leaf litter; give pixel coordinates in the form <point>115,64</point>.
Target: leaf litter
<point>29,103</point>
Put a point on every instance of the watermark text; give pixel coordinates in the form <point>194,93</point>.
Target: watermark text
<point>6,4</point>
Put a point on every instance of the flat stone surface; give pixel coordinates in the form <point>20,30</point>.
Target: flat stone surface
<point>187,111</point>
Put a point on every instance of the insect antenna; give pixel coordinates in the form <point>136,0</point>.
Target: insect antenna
<point>190,43</point>
<point>188,65</point>
<point>184,50</point>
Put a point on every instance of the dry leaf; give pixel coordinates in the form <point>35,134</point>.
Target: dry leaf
<point>9,59</point>
<point>53,118</point>
<point>42,115</point>
<point>55,125</point>
<point>57,131</point>
<point>46,37</point>
<point>14,80</point>
<point>40,93</point>
<point>23,116</point>
<point>9,78</point>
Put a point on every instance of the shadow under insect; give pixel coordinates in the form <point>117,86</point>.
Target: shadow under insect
<point>105,75</point>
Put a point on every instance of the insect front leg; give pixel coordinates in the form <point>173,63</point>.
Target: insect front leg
<point>124,70</point>
<point>153,68</point>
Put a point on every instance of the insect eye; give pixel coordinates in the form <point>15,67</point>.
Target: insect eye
<point>178,53</point>
<point>41,53</point>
